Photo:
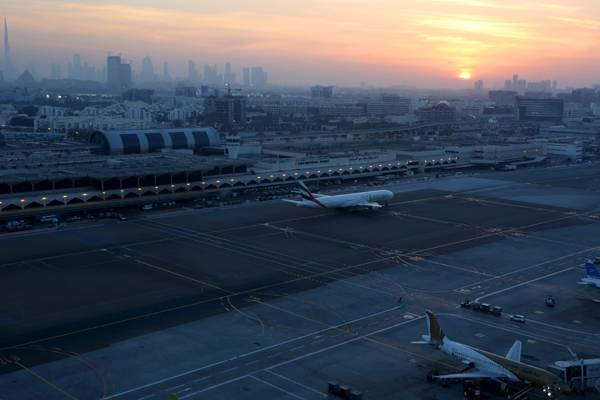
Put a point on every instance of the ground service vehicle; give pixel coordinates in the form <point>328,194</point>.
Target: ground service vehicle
<point>518,318</point>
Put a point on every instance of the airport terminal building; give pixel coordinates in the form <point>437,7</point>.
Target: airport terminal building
<point>148,141</point>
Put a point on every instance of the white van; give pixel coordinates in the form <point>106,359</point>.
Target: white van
<point>147,207</point>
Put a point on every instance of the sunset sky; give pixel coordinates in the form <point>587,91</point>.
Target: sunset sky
<point>428,43</point>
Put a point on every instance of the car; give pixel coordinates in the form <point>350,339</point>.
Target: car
<point>518,318</point>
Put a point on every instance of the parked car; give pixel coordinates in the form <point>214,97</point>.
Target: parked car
<point>518,318</point>
<point>550,301</point>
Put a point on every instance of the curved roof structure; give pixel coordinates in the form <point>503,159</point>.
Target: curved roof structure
<point>148,141</point>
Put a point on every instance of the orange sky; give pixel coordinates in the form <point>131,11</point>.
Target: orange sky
<point>383,42</point>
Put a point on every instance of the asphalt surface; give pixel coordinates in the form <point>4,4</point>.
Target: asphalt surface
<point>273,301</point>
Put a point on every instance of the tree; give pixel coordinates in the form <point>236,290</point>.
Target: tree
<point>21,121</point>
<point>2,140</point>
<point>177,123</point>
<point>30,110</point>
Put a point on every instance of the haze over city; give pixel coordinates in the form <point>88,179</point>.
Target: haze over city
<point>430,43</point>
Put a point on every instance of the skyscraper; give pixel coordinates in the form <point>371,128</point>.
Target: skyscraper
<point>9,70</point>
<point>228,76</point>
<point>193,73</point>
<point>478,85</point>
<point>147,69</point>
<point>515,83</point>
<point>77,69</point>
<point>259,77</point>
<point>119,75</point>
<point>246,76</point>
<point>507,84</point>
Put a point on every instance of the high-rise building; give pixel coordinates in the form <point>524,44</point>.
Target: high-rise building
<point>539,109</point>
<point>227,110</point>
<point>321,92</point>
<point>389,104</point>
<point>259,77</point>
<point>166,71</point>
<point>9,69</point>
<point>77,69</point>
<point>478,85</point>
<point>193,73</point>
<point>147,73</point>
<point>228,76</point>
<point>503,97</point>
<point>554,85</point>
<point>515,82</point>
<point>119,74</point>
<point>508,84</point>
<point>246,76</point>
<point>210,75</point>
<point>522,85</point>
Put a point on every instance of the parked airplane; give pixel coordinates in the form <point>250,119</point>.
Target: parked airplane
<point>593,276</point>
<point>353,200</point>
<point>491,365</point>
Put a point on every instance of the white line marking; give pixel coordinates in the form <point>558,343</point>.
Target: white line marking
<point>296,348</point>
<point>276,387</point>
<point>168,390</point>
<point>226,371</point>
<point>322,340</point>
<point>521,284</point>
<point>275,355</point>
<point>168,379</point>
<point>201,379</point>
<point>373,323</point>
<point>184,390</point>
<point>253,362</point>
<point>264,349</point>
<point>142,398</point>
<point>297,383</point>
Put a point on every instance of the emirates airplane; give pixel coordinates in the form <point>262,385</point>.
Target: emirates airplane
<point>366,200</point>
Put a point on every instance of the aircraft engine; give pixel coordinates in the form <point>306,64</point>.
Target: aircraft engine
<point>498,384</point>
<point>373,207</point>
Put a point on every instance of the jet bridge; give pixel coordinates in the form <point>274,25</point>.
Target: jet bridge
<point>580,373</point>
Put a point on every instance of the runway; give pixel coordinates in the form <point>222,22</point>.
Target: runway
<point>259,297</point>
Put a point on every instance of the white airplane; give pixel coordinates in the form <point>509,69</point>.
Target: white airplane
<point>491,365</point>
<point>593,276</point>
<point>353,200</point>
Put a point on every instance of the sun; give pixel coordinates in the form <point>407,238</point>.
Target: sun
<point>465,75</point>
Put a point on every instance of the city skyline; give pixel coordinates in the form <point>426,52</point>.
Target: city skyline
<point>431,44</point>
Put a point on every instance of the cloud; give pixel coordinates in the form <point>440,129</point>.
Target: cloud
<point>582,23</point>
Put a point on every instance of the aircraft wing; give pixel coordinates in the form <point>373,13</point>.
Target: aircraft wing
<point>476,374</point>
<point>298,203</point>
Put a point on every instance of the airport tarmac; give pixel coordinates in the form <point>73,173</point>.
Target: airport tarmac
<point>273,301</point>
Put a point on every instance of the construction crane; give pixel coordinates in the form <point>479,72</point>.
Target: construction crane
<point>229,89</point>
<point>103,51</point>
<point>428,101</point>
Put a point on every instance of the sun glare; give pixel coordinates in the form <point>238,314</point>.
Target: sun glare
<point>465,75</point>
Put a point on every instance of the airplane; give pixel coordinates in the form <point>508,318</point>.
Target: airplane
<point>593,276</point>
<point>489,365</point>
<point>366,200</point>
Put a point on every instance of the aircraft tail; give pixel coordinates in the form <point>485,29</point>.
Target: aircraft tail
<point>436,334</point>
<point>591,269</point>
<point>515,352</point>
<point>307,196</point>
